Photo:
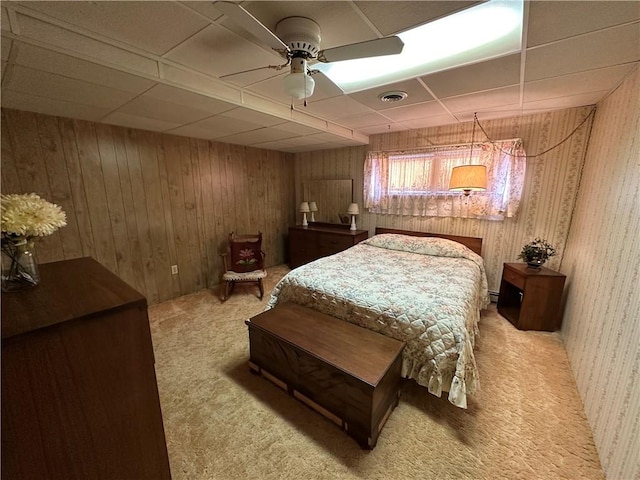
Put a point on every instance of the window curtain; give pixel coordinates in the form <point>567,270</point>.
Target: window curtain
<point>505,162</point>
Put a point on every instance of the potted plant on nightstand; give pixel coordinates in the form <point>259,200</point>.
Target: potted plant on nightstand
<point>536,253</point>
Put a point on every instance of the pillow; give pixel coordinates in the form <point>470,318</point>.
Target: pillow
<point>439,247</point>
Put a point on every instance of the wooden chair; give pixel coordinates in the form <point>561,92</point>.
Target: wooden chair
<point>243,262</point>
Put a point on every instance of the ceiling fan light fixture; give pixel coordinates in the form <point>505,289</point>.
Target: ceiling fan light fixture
<point>299,85</point>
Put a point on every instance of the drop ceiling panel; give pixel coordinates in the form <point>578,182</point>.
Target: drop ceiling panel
<point>605,48</point>
<point>414,89</point>
<point>551,21</point>
<point>152,26</point>
<point>408,14</point>
<point>357,122</point>
<point>499,72</point>
<point>578,83</point>
<point>49,106</point>
<point>169,112</point>
<point>375,129</point>
<point>253,118</point>
<point>137,121</point>
<point>35,82</point>
<point>412,112</point>
<point>217,52</point>
<point>256,136</point>
<point>339,23</point>
<point>430,121</point>
<point>336,107</point>
<point>296,129</point>
<point>4,19</point>
<point>209,106</point>
<point>6,48</point>
<point>91,72</point>
<point>103,52</point>
<point>483,100</point>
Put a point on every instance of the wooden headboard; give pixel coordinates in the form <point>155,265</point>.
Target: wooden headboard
<point>473,243</point>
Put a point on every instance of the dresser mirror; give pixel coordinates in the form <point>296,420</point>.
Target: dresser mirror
<point>332,198</point>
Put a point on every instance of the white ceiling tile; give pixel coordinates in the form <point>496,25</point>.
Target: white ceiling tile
<point>578,83</point>
<point>336,107</point>
<point>483,100</point>
<point>135,121</point>
<point>73,42</point>
<point>184,98</point>
<point>153,108</point>
<point>409,14</point>
<point>35,82</point>
<point>495,73</point>
<point>356,122</point>
<point>153,26</point>
<point>4,20</point>
<point>411,112</point>
<point>275,145</point>
<point>216,127</point>
<point>217,51</point>
<point>551,21</point>
<point>4,68</point>
<point>257,136</point>
<point>296,129</point>
<point>388,128</point>
<point>253,118</point>
<point>65,65</point>
<point>429,122</point>
<point>204,8</point>
<point>416,93</point>
<point>339,22</point>
<point>49,106</point>
<point>605,48</point>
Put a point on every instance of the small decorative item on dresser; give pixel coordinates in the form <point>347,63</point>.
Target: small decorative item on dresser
<point>24,217</point>
<point>536,253</point>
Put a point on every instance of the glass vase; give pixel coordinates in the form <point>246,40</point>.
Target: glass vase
<point>19,267</point>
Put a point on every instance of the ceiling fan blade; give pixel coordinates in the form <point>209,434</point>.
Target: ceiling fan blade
<point>251,24</point>
<point>371,48</point>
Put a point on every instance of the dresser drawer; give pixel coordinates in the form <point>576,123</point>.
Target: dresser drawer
<point>513,278</point>
<point>329,244</point>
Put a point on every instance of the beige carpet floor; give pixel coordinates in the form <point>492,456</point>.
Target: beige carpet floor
<point>222,422</point>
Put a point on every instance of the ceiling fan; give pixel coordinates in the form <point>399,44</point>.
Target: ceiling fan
<point>297,39</point>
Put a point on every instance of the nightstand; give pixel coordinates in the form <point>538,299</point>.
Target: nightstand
<point>531,299</point>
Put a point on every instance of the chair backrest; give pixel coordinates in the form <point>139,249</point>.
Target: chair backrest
<point>245,252</point>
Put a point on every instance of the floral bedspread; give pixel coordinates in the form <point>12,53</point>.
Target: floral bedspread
<point>427,292</point>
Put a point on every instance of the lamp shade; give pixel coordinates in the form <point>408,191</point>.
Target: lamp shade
<point>468,178</point>
<point>299,85</point>
<point>304,207</point>
<point>353,209</point>
<point>313,207</point>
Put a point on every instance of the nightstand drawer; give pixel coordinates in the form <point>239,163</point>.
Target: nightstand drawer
<point>513,278</point>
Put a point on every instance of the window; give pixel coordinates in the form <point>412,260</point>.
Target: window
<point>417,182</point>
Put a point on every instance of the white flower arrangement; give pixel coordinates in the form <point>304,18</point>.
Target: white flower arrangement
<point>28,215</point>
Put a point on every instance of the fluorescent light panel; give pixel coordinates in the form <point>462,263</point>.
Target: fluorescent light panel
<point>488,30</point>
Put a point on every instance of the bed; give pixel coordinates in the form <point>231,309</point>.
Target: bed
<point>424,289</point>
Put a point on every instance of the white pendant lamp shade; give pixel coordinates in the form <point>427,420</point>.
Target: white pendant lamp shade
<point>468,178</point>
<point>299,85</point>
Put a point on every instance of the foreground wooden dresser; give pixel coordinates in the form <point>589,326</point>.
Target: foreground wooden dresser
<point>79,393</point>
<point>320,240</point>
<point>347,373</point>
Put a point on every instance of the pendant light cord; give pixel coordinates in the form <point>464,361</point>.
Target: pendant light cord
<point>475,120</point>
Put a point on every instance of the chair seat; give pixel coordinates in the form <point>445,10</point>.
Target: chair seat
<point>232,276</point>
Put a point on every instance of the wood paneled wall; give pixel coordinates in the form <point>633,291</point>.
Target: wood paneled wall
<point>549,195</point>
<point>139,202</point>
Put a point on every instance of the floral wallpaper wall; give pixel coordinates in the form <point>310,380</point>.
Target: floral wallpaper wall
<point>601,328</point>
<point>550,189</point>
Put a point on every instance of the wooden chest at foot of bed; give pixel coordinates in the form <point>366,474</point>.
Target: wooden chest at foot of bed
<point>345,372</point>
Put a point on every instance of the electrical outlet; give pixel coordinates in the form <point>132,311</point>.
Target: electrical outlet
<point>174,269</point>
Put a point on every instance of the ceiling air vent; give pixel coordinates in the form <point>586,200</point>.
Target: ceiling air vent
<point>395,96</point>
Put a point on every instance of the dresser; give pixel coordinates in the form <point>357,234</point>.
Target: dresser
<point>79,392</point>
<point>531,299</point>
<point>320,240</point>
